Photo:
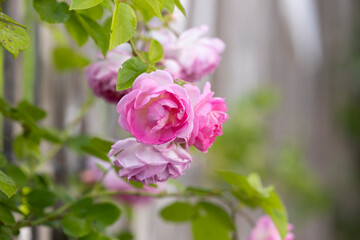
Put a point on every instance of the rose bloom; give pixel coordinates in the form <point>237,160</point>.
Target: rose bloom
<point>209,115</point>
<point>149,163</point>
<point>265,229</point>
<point>157,110</point>
<point>196,55</point>
<point>113,182</point>
<point>102,75</point>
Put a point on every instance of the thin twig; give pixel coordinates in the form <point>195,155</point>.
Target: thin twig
<point>135,51</point>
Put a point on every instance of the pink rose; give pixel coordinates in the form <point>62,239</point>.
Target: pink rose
<point>157,110</point>
<point>149,163</point>
<point>265,229</point>
<point>112,181</point>
<point>209,115</point>
<point>198,56</point>
<point>102,75</point>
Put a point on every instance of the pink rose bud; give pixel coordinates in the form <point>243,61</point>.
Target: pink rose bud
<point>149,163</point>
<point>209,115</point>
<point>112,181</point>
<point>102,75</point>
<point>157,110</point>
<point>265,229</point>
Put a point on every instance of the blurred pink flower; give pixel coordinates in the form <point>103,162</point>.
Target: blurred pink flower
<point>172,67</point>
<point>209,115</point>
<point>157,110</point>
<point>198,56</point>
<point>168,40</point>
<point>149,163</point>
<point>102,75</point>
<point>265,229</point>
<point>112,181</point>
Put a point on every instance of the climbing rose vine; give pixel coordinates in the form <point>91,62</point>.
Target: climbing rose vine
<point>156,81</point>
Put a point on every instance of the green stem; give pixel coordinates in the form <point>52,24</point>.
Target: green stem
<point>156,195</point>
<point>52,216</point>
<point>135,51</point>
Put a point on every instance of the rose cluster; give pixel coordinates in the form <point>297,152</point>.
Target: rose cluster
<point>164,116</point>
<point>189,57</point>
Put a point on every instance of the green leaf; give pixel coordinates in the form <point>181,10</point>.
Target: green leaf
<point>169,5</point>
<point>84,4</point>
<point>207,227</point>
<point>180,6</point>
<point>31,110</point>
<point>39,198</point>
<point>17,175</point>
<point>6,18</point>
<point>67,59</point>
<point>255,181</point>
<point>97,32</point>
<point>94,152</point>
<point>107,4</point>
<point>52,11</point>
<point>136,184</point>
<point>7,185</point>
<point>5,233</point>
<point>107,24</point>
<point>106,213</point>
<point>251,192</point>
<point>77,142</point>
<point>274,207</point>
<point>95,12</point>
<point>178,212</point>
<point>76,30</point>
<point>26,146</point>
<point>81,207</point>
<point>13,36</point>
<point>242,189</point>
<point>218,213</point>
<point>50,135</point>
<point>130,70</point>
<point>6,217</point>
<point>75,227</point>
<point>3,160</point>
<point>95,236</point>
<point>101,144</point>
<point>156,51</point>
<point>98,148</point>
<point>151,6</point>
<point>123,24</point>
<point>125,236</point>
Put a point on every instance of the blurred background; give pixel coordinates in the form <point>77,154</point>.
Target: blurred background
<point>290,76</point>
